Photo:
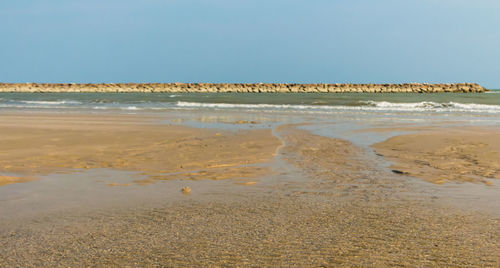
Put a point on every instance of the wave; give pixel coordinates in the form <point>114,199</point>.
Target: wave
<point>435,106</point>
<point>20,106</point>
<point>251,106</point>
<point>58,102</point>
<point>315,107</point>
<point>362,105</point>
<point>132,108</point>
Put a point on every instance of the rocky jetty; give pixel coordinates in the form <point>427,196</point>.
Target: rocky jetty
<point>243,88</point>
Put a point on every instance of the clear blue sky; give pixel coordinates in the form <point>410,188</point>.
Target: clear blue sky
<point>358,41</point>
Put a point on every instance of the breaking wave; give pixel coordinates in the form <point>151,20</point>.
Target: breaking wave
<point>362,105</point>
<point>435,106</point>
<point>58,102</point>
<point>315,106</point>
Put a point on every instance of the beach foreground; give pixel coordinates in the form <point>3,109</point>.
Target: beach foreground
<point>105,189</point>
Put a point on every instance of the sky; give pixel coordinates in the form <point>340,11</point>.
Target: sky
<point>315,41</point>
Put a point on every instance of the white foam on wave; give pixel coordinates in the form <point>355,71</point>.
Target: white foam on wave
<point>366,106</point>
<point>382,106</point>
<point>434,106</point>
<point>58,102</point>
<point>250,106</point>
<point>133,108</point>
<point>34,106</point>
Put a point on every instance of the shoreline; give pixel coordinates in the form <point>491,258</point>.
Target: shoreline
<point>241,88</point>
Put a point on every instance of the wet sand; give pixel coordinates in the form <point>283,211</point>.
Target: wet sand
<point>4,180</point>
<point>38,145</point>
<point>441,155</point>
<point>318,200</point>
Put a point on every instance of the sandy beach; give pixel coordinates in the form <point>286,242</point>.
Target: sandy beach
<point>261,195</point>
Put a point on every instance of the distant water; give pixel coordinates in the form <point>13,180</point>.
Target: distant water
<point>323,103</point>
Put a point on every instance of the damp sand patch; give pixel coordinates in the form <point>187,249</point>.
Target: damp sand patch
<point>5,180</point>
<point>55,143</point>
<point>446,155</point>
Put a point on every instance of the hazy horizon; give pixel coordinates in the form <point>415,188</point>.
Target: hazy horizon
<point>445,41</point>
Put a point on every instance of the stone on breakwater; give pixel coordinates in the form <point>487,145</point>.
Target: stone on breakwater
<point>243,88</point>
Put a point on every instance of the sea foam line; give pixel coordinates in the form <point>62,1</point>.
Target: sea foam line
<point>51,102</point>
<point>364,106</point>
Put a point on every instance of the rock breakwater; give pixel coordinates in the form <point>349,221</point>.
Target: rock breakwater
<point>243,88</point>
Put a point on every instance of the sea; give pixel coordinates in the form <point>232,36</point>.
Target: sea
<point>348,111</point>
<point>312,103</point>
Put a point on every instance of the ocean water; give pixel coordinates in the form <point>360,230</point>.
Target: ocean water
<point>308,103</point>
